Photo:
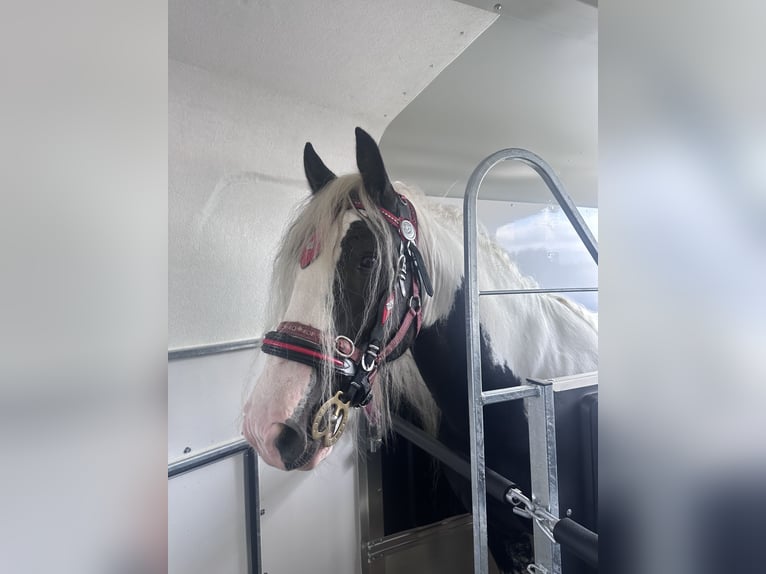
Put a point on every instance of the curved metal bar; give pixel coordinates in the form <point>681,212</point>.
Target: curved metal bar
<point>206,457</point>
<point>473,345</point>
<point>551,181</point>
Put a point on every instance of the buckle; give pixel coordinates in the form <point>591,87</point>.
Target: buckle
<point>359,392</point>
<point>407,230</point>
<point>344,346</point>
<point>372,351</point>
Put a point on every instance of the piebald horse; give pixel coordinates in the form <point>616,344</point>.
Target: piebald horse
<point>367,310</point>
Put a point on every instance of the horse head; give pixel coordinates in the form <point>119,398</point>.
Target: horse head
<point>346,299</point>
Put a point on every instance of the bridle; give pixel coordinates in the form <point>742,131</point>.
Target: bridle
<point>356,365</point>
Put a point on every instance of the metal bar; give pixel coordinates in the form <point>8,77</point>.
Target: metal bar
<point>370,498</point>
<point>206,457</point>
<point>543,465</point>
<point>546,290</point>
<point>431,446</point>
<point>473,359</point>
<point>497,485</point>
<point>473,348</point>
<point>551,181</point>
<point>509,394</point>
<point>252,512</point>
<point>214,349</point>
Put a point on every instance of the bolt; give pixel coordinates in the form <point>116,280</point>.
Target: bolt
<point>569,512</point>
<point>187,450</point>
<point>498,7</point>
<point>263,511</point>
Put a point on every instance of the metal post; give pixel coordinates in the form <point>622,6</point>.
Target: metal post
<point>473,331</point>
<point>473,356</point>
<point>370,498</point>
<point>543,465</point>
<point>252,512</point>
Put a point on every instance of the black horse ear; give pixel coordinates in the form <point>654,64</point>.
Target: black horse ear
<point>317,173</point>
<point>370,164</point>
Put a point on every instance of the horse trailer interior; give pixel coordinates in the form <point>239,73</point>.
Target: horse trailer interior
<point>441,85</point>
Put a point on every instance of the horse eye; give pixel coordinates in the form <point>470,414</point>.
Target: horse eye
<point>367,262</point>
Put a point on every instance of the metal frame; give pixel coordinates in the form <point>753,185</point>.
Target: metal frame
<point>541,409</point>
<point>370,498</point>
<point>252,503</point>
<point>543,465</point>
<point>227,450</point>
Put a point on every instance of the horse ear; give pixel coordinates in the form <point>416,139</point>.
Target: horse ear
<point>317,173</point>
<point>370,164</point>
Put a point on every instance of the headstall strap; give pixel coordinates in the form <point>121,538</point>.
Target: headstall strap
<point>358,366</point>
<point>303,344</point>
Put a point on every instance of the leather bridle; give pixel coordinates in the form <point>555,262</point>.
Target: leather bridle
<point>356,364</point>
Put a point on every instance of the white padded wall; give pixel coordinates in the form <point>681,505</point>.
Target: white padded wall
<point>235,173</point>
<point>310,518</point>
<point>249,84</point>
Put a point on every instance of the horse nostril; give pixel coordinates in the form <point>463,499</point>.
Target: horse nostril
<point>291,444</point>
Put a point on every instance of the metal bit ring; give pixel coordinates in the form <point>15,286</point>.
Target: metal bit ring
<point>330,420</point>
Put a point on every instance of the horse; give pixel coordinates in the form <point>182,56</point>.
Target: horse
<point>367,307</point>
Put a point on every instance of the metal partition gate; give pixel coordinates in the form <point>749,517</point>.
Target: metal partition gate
<point>540,398</point>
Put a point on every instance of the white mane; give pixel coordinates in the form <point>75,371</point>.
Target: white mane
<point>533,335</point>
<point>539,336</point>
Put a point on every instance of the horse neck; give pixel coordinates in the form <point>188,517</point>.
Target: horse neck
<point>542,338</point>
<point>539,336</point>
<point>440,355</point>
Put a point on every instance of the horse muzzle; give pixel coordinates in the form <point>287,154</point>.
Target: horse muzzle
<point>287,447</point>
<point>279,415</point>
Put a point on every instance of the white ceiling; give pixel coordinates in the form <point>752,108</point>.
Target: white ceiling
<point>364,57</point>
<point>531,81</point>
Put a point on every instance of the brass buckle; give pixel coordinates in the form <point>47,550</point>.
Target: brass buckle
<point>330,420</point>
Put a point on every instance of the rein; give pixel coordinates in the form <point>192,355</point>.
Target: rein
<point>356,365</point>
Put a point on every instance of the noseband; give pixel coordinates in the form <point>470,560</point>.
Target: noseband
<point>356,365</point>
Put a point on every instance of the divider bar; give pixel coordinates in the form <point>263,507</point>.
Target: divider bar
<point>206,457</point>
<point>509,394</point>
<point>541,290</point>
<point>476,397</point>
<point>252,511</point>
